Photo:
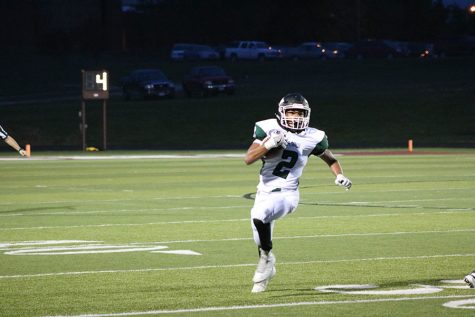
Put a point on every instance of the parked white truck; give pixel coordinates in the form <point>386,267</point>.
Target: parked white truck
<point>251,50</point>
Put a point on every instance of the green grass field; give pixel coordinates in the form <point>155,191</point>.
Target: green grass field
<point>171,236</point>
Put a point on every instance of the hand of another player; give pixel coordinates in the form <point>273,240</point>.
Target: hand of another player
<point>343,181</point>
<point>22,152</point>
<point>275,139</point>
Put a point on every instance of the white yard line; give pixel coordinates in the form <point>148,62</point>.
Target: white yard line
<point>125,224</point>
<point>123,157</point>
<point>206,267</point>
<point>307,193</point>
<point>277,305</point>
<point>7,245</point>
<point>352,203</point>
<point>451,211</point>
<point>327,203</point>
<point>367,234</point>
<point>186,208</point>
<point>82,202</point>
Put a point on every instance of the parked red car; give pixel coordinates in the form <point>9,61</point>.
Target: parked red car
<point>207,80</point>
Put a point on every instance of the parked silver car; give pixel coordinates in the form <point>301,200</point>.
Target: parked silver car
<point>189,51</point>
<point>178,51</point>
<point>201,52</point>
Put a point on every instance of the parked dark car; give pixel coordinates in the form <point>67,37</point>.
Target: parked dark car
<point>335,49</point>
<point>455,46</point>
<point>306,50</point>
<point>147,83</point>
<point>420,49</point>
<point>207,80</point>
<point>373,48</point>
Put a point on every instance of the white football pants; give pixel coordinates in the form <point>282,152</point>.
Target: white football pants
<point>269,207</point>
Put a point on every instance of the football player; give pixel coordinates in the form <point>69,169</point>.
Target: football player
<point>470,279</point>
<point>284,145</point>
<point>11,141</point>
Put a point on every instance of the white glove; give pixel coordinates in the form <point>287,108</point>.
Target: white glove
<point>343,181</point>
<point>22,152</point>
<point>275,139</point>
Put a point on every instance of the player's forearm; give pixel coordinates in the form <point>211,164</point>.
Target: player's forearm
<point>11,141</point>
<point>336,168</point>
<point>332,162</point>
<point>255,152</point>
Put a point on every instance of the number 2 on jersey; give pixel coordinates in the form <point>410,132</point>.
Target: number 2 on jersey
<point>283,168</point>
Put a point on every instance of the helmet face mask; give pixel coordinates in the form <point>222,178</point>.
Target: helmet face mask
<point>293,122</point>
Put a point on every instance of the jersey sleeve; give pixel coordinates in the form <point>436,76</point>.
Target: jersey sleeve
<point>259,133</point>
<point>321,146</point>
<point>3,133</point>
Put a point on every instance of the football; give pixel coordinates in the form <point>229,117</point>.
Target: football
<point>277,151</point>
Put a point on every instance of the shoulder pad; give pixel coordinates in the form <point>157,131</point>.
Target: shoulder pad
<point>262,128</point>
<point>318,135</point>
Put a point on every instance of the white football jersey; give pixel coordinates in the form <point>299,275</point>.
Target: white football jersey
<point>281,167</point>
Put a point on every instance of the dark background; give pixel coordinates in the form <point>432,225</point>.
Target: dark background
<point>95,25</point>
<point>359,103</point>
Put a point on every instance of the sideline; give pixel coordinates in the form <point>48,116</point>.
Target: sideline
<point>226,266</point>
<point>123,157</point>
<point>106,156</point>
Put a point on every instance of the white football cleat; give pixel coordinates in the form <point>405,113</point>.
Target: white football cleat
<point>265,266</point>
<point>262,285</point>
<point>470,279</point>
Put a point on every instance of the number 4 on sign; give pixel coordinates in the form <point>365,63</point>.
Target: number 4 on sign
<point>102,80</point>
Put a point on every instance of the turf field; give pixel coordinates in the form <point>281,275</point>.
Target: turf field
<point>165,235</point>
